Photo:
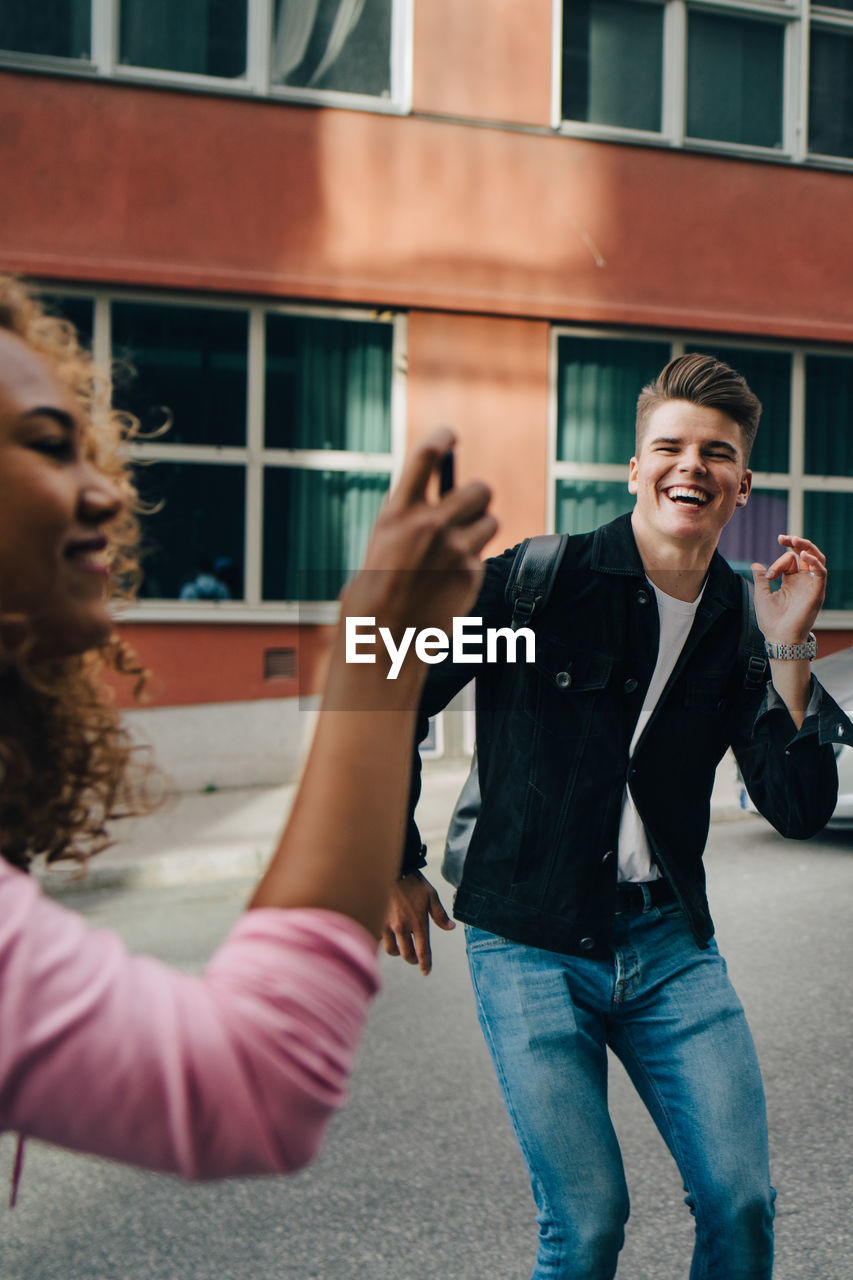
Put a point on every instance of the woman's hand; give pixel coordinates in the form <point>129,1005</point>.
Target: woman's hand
<point>422,566</point>
<point>342,844</point>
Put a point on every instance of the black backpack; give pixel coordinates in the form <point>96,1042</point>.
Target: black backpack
<point>529,585</point>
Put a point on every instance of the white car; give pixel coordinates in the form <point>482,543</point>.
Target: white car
<point>836,675</point>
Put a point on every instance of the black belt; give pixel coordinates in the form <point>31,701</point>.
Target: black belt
<point>632,896</point>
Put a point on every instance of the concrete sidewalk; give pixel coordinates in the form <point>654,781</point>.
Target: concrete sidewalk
<point>229,834</point>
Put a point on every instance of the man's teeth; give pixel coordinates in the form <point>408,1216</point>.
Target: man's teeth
<point>693,497</point>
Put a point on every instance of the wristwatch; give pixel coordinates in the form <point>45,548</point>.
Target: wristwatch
<point>806,649</point>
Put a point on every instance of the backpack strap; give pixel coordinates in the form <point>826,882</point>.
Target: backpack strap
<point>531,578</point>
<point>750,650</point>
<point>529,585</point>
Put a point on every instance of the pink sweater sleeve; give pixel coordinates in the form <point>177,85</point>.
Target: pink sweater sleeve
<point>233,1073</point>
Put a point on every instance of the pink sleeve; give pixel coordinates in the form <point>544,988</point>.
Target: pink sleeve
<point>233,1073</point>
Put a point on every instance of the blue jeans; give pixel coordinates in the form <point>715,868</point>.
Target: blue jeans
<point>668,1011</point>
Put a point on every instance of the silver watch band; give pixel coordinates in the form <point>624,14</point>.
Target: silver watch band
<point>793,652</point>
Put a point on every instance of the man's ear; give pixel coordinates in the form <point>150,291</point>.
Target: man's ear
<point>745,488</point>
<point>632,476</point>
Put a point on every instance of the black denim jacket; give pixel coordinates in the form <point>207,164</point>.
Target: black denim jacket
<point>553,746</point>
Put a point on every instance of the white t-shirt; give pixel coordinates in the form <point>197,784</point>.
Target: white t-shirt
<point>676,619</point>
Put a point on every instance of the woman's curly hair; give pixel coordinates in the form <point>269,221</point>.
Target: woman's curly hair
<point>67,766</point>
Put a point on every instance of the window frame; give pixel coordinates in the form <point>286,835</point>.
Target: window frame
<point>254,456</point>
<point>103,63</point>
<point>794,482</point>
<point>798,17</point>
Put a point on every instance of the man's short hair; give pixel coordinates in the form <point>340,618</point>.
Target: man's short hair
<point>706,381</point>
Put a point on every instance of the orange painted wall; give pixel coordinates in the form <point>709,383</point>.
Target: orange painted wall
<point>195,662</point>
<point>488,379</point>
<point>486,59</point>
<point>128,184</point>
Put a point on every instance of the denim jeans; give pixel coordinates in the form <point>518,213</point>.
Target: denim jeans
<point>668,1010</point>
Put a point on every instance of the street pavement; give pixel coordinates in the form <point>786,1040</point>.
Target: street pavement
<point>199,837</point>
<point>420,1178</point>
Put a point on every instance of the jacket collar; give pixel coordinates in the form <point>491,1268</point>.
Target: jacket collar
<point>614,551</point>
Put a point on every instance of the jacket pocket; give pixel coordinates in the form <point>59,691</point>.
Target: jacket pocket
<point>561,688</point>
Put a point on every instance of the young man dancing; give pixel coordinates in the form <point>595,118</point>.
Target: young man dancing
<point>583,892</point>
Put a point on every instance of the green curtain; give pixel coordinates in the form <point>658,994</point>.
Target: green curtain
<point>769,376</point>
<point>583,505</point>
<point>328,384</point>
<point>316,528</point>
<point>598,381</point>
<point>828,521</point>
<point>829,416</point>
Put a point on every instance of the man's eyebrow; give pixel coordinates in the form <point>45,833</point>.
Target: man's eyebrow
<point>708,444</point>
<point>60,416</point>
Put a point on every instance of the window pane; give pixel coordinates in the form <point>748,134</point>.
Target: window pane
<point>598,382</point>
<point>769,376</point>
<point>582,505</point>
<point>752,532</point>
<point>328,384</point>
<point>80,311</point>
<point>828,521</point>
<point>612,63</point>
<point>829,414</point>
<point>198,529</point>
<point>735,79</point>
<point>201,37</point>
<point>831,93</point>
<point>316,526</point>
<point>50,28</point>
<point>343,45</point>
<point>188,360</point>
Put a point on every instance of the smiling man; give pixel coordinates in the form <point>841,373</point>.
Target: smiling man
<point>583,892</point>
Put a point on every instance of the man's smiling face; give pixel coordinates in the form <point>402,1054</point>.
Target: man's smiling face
<point>689,476</point>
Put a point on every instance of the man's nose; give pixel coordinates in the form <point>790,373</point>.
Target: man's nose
<point>692,461</point>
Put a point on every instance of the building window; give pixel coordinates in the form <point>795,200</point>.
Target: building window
<point>339,45</point>
<point>50,29</point>
<point>831,92</point>
<point>331,51</point>
<point>184,365</point>
<point>267,441</point>
<point>600,39</point>
<point>715,74</point>
<point>734,79</point>
<point>802,460</point>
<point>195,37</point>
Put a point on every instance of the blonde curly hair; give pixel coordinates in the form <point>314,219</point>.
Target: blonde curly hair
<point>67,766</point>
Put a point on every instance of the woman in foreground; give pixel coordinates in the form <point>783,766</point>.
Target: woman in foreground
<point>236,1072</point>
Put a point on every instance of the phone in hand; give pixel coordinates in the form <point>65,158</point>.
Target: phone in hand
<point>446,473</point>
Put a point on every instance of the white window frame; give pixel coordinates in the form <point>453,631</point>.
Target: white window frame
<point>794,482</point>
<point>254,457</point>
<point>797,16</point>
<point>103,63</point>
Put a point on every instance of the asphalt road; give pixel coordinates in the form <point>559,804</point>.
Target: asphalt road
<point>420,1177</point>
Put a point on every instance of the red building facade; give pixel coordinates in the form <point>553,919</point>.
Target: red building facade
<point>501,216</point>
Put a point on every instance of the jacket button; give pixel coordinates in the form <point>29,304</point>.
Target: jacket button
<point>587,944</point>
<point>642,597</point>
<point>630,685</point>
<point>607,856</point>
<point>563,679</point>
